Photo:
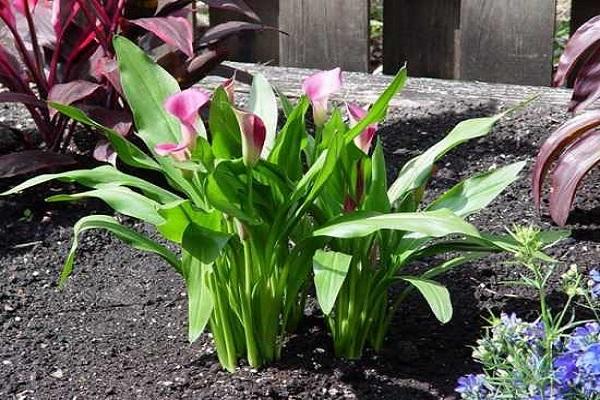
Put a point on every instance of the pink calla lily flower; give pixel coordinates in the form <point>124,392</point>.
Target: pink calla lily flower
<point>184,106</point>
<point>318,88</point>
<point>254,133</point>
<point>364,140</point>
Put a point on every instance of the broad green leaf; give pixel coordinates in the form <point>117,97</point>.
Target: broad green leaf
<point>224,127</point>
<point>330,269</point>
<point>430,223</point>
<point>146,86</point>
<point>263,103</point>
<point>474,194</point>
<point>200,303</point>
<point>286,104</point>
<point>122,200</point>
<point>97,177</point>
<point>178,215</point>
<point>129,153</point>
<point>418,170</point>
<point>377,199</point>
<point>228,192</point>
<point>288,143</point>
<point>436,295</point>
<point>129,236</point>
<point>202,243</point>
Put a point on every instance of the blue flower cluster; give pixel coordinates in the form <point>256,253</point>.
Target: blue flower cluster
<point>520,364</point>
<point>577,368</point>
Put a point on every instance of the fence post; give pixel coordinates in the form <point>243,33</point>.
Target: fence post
<point>325,34</point>
<point>421,33</point>
<point>509,41</point>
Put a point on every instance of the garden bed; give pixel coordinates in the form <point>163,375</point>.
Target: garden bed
<point>118,330</point>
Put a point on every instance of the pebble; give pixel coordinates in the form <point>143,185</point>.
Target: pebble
<point>58,374</point>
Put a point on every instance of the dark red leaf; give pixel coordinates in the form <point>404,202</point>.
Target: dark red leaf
<point>176,31</point>
<point>587,85</point>
<point>117,120</point>
<point>71,92</point>
<point>12,97</point>
<point>238,6</point>
<point>167,7</point>
<point>105,67</point>
<point>571,168</point>
<point>583,41</point>
<point>564,136</point>
<point>26,162</point>
<point>222,31</point>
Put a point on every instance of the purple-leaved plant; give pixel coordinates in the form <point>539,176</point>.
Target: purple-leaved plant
<point>61,51</point>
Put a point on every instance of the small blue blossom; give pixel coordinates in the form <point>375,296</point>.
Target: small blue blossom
<point>565,369</point>
<point>594,284</point>
<point>472,387</point>
<point>583,336</point>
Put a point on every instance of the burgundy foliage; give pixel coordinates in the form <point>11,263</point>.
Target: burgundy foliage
<point>61,50</point>
<point>574,148</point>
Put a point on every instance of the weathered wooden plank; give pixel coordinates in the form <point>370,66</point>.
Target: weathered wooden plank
<point>325,33</point>
<point>421,33</point>
<point>365,88</point>
<point>260,47</point>
<point>507,41</point>
<point>582,10</point>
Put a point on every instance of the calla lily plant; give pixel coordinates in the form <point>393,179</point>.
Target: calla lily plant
<point>253,207</point>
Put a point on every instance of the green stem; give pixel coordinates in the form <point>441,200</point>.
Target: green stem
<point>247,309</point>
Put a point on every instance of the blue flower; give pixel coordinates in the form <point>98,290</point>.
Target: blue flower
<point>549,394</point>
<point>472,387</point>
<point>565,369</point>
<point>583,336</point>
<point>589,364</point>
<point>594,283</point>
<point>510,321</point>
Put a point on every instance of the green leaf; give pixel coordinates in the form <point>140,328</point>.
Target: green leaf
<point>378,110</point>
<point>129,236</point>
<point>98,177</point>
<point>227,192</point>
<point>146,86</point>
<point>377,199</point>
<point>224,127</point>
<point>418,170</point>
<point>129,153</point>
<point>178,215</point>
<point>436,295</point>
<point>122,200</point>
<point>204,244</point>
<point>263,103</point>
<point>288,144</point>
<point>200,303</point>
<point>474,194</point>
<point>286,104</point>
<point>330,269</point>
<point>430,223</point>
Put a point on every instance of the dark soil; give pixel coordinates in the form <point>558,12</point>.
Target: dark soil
<point>118,329</point>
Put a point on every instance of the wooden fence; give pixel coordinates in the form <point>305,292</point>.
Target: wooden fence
<point>509,41</point>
